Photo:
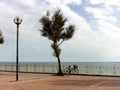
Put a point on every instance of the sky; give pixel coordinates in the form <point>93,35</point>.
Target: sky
<point>96,38</point>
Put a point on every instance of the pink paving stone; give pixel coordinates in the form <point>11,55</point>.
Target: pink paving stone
<point>30,81</point>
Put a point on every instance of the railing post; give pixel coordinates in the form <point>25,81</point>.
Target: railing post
<point>34,68</point>
<point>5,67</point>
<point>114,69</point>
<point>53,68</point>
<point>39,68</point>
<point>87,69</point>
<point>11,67</point>
<point>100,67</point>
<point>26,67</point>
<point>43,68</point>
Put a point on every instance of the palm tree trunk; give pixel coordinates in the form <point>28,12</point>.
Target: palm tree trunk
<point>57,54</point>
<point>59,64</point>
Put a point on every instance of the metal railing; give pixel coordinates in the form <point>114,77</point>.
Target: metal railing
<point>88,69</point>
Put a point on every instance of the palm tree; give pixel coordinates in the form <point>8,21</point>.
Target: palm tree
<point>1,38</point>
<point>53,28</point>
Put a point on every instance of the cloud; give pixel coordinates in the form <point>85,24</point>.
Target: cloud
<point>108,29</point>
<point>87,43</point>
<point>105,2</point>
<point>105,18</point>
<point>102,13</point>
<point>64,2</point>
<point>30,3</point>
<point>96,1</point>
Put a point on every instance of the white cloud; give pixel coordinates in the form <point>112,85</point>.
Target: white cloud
<point>5,10</point>
<point>82,27</point>
<point>103,42</point>
<point>108,37</point>
<point>106,11</point>
<point>105,18</point>
<point>64,2</point>
<point>77,2</point>
<point>102,13</point>
<point>96,1</point>
<point>108,29</point>
<point>106,2</point>
<point>112,2</point>
<point>30,3</point>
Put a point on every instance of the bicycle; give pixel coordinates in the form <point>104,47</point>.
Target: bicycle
<point>71,69</point>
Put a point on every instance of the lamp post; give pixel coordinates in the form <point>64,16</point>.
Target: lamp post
<point>17,21</point>
<point>1,38</point>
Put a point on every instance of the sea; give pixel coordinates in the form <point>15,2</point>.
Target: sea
<point>85,68</point>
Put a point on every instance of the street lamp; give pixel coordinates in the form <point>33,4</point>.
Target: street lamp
<point>17,21</point>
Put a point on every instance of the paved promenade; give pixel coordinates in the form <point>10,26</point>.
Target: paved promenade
<point>29,81</point>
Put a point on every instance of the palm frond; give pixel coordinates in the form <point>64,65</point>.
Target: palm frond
<point>1,40</point>
<point>68,33</point>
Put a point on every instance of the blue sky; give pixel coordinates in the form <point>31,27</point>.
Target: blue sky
<point>97,35</point>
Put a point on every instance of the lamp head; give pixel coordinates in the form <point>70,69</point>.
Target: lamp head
<point>17,20</point>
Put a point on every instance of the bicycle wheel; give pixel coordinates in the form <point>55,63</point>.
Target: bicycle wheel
<point>76,71</point>
<point>66,70</point>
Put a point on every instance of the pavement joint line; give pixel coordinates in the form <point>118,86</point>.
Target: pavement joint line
<point>21,78</point>
<point>21,81</point>
<point>99,83</point>
<point>6,79</point>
